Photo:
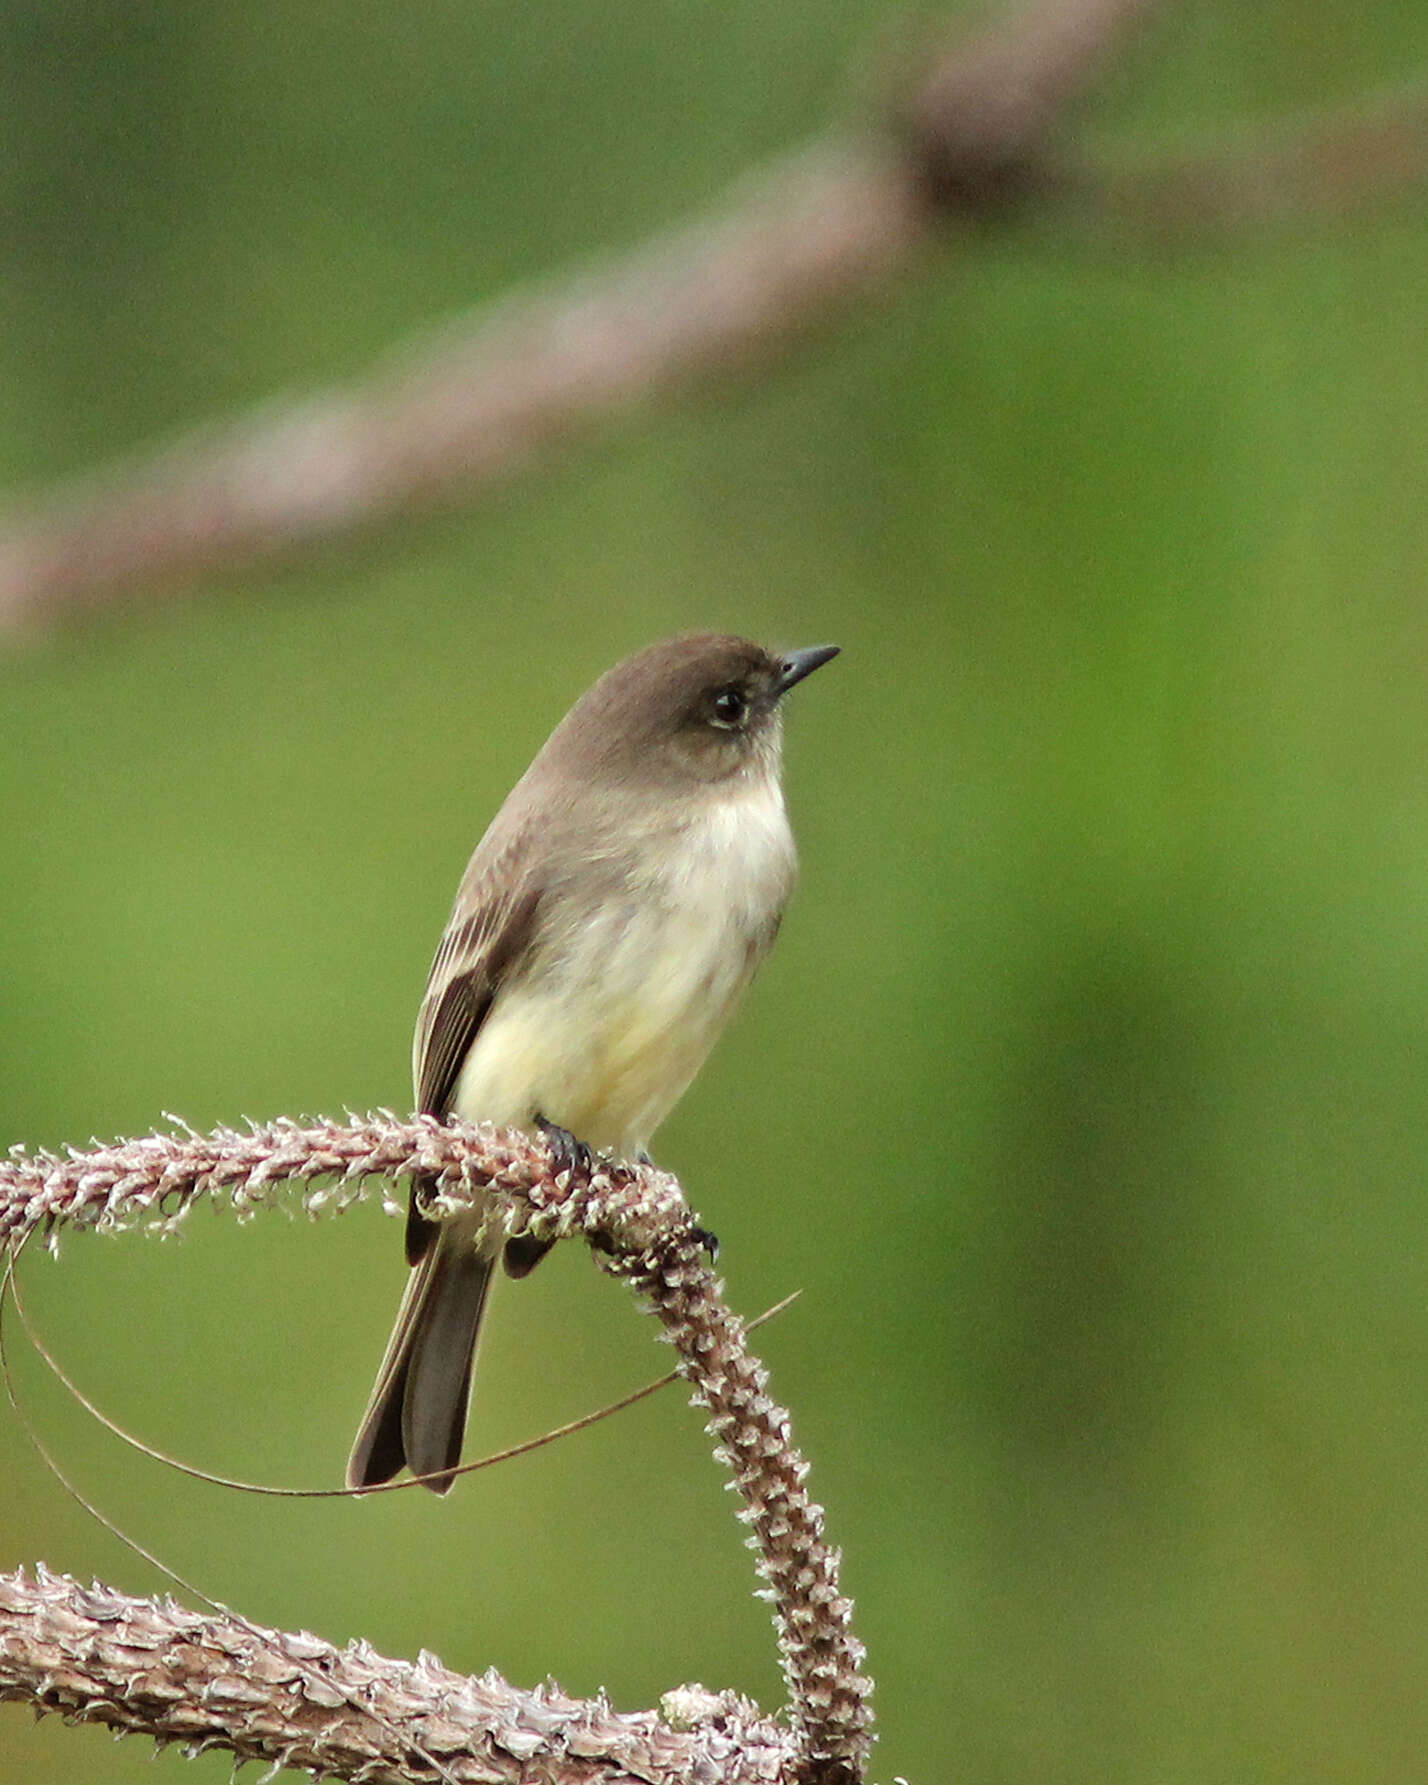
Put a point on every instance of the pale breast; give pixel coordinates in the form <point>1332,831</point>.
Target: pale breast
<point>608,1029</point>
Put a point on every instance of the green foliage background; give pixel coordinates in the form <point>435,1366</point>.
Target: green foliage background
<point>1084,1097</point>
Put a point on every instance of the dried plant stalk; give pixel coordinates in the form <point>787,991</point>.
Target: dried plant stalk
<point>641,1227</point>
<point>157,1179</point>
<point>208,1680</point>
<point>822,1659</point>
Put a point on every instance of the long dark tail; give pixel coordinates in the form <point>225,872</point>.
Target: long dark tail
<point>417,1414</point>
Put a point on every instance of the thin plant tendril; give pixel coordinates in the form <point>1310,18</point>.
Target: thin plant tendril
<point>524,1448</point>
<point>322,1680</point>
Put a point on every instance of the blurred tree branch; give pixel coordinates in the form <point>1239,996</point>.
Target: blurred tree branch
<point>640,1227</point>
<point>820,231</point>
<point>1324,165</point>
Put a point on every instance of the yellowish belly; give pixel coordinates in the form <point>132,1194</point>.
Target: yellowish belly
<point>621,1004</point>
<point>605,1043</point>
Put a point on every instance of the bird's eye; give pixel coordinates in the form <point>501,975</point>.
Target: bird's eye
<point>730,707</point>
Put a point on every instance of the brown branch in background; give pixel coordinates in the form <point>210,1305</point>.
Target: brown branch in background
<point>472,406</point>
<point>980,128</point>
<point>818,232</point>
<point>1326,166</point>
<point>815,234</point>
<point>640,1226</point>
<point>144,1666</point>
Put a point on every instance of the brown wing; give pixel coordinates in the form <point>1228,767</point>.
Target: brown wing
<point>475,956</point>
<point>495,917</point>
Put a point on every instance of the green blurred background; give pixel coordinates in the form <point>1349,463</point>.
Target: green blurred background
<point>1084,1096</point>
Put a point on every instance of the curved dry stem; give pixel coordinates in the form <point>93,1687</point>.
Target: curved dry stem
<point>637,1220</point>
<point>822,1659</point>
<point>205,1680</point>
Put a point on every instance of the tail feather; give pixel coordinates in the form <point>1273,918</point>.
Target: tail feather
<point>417,1413</point>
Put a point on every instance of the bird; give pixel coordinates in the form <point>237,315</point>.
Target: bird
<point>601,937</point>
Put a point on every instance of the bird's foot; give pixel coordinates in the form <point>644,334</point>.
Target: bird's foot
<point>707,1242</point>
<point>567,1154</point>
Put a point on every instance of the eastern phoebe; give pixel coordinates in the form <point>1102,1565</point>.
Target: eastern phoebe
<point>602,935</point>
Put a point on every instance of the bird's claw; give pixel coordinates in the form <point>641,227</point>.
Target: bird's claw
<point>707,1242</point>
<point>567,1154</point>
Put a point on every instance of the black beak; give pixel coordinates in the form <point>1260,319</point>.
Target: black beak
<point>799,664</point>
